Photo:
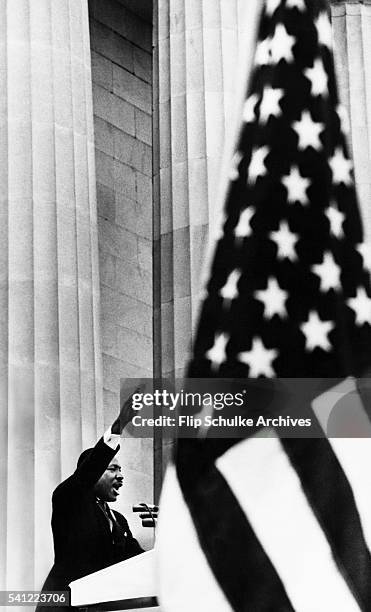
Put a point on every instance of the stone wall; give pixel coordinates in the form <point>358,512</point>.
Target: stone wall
<point>121,47</point>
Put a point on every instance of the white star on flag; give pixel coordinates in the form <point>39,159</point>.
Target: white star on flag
<point>341,168</point>
<point>273,298</point>
<point>248,113</point>
<point>263,53</point>
<point>257,167</point>
<point>328,272</point>
<point>217,352</point>
<point>336,219</point>
<point>270,103</point>
<point>315,332</point>
<point>281,44</point>
<point>324,30</point>
<point>233,172</point>
<point>285,241</point>
<point>318,78</point>
<point>299,4</point>
<point>271,6</point>
<point>259,359</point>
<point>365,251</point>
<point>230,291</point>
<point>243,228</point>
<point>308,132</point>
<point>361,305</point>
<point>344,118</point>
<point>296,186</point>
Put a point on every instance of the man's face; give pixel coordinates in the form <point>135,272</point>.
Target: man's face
<point>107,487</point>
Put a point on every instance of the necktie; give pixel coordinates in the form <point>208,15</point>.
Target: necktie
<point>107,513</point>
<point>118,534</point>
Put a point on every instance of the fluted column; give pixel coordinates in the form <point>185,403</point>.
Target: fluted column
<point>50,358</point>
<point>198,49</point>
<point>351,21</point>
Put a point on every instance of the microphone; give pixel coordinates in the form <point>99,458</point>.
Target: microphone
<point>139,507</point>
<point>149,516</point>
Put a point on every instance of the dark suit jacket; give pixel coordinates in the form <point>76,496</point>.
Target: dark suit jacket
<point>83,541</point>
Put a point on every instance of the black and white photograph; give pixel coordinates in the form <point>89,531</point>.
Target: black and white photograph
<point>185,305</point>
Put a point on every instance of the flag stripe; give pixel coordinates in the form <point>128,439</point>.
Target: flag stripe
<point>231,547</point>
<point>180,589</point>
<point>331,497</point>
<point>269,491</point>
<point>354,454</point>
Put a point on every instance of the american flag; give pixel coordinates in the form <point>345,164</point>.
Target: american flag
<point>280,524</point>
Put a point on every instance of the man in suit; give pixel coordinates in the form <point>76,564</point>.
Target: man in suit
<point>87,534</point>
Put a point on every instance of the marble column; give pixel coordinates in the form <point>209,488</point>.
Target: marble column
<point>197,89</point>
<point>50,364</point>
<point>197,45</point>
<point>351,21</point>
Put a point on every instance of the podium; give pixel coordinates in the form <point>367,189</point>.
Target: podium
<point>128,585</point>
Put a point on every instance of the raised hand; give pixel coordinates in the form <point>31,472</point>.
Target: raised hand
<point>126,413</point>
